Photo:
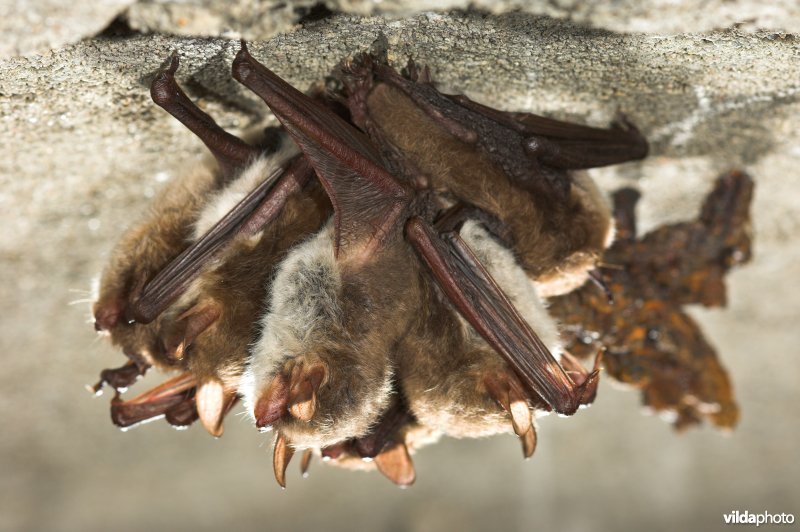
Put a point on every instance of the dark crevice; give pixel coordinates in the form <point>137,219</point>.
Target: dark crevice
<point>118,28</point>
<point>313,14</point>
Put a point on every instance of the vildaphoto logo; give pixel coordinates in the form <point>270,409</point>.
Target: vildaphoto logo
<point>764,518</point>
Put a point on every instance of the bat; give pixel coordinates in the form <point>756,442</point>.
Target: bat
<point>162,308</point>
<point>396,297</point>
<point>650,342</point>
<point>518,170</point>
<point>357,283</point>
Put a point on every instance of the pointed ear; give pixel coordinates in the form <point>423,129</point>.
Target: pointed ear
<point>369,203</point>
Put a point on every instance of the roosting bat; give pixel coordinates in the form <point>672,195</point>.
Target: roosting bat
<point>415,310</point>
<point>192,307</point>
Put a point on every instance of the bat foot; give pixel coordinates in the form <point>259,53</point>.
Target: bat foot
<point>173,398</point>
<point>585,381</point>
<point>119,378</point>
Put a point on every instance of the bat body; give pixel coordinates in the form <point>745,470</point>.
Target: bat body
<point>521,170</point>
<point>141,253</point>
<point>358,284</point>
<point>206,325</point>
<point>396,297</point>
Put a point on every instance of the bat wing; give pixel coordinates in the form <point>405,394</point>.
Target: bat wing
<point>531,149</point>
<point>478,298</point>
<point>231,152</point>
<point>368,201</point>
<point>566,145</point>
<point>253,212</point>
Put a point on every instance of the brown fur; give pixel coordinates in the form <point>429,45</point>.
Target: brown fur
<point>376,303</point>
<point>140,254</point>
<point>237,286</point>
<point>552,240</point>
<point>441,366</point>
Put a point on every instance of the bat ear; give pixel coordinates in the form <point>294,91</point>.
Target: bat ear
<point>189,325</point>
<point>368,201</point>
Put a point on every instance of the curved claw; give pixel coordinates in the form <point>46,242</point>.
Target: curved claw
<point>586,383</point>
<point>119,378</point>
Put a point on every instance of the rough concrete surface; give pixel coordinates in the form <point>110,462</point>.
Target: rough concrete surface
<point>260,19</point>
<point>29,26</point>
<point>84,150</point>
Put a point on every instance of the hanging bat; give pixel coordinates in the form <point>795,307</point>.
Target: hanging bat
<point>356,286</point>
<point>650,342</point>
<point>519,171</point>
<point>367,326</point>
<point>201,316</point>
<point>192,307</point>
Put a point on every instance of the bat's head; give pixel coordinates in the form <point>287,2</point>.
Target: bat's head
<point>142,252</point>
<point>588,231</point>
<point>321,371</point>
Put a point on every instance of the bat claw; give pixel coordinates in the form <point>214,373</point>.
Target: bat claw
<point>119,378</point>
<point>396,465</point>
<point>305,381</point>
<point>281,457</point>
<point>586,383</point>
<point>273,403</point>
